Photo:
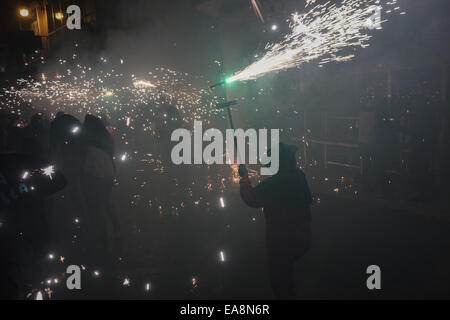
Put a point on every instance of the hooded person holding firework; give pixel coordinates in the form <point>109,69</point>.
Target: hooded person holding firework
<point>286,200</point>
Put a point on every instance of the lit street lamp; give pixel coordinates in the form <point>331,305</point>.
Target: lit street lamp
<point>24,12</point>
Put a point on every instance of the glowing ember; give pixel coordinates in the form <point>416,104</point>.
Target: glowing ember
<point>222,256</point>
<point>76,129</point>
<point>126,282</point>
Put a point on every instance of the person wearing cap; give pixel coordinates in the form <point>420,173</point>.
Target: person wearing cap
<point>286,199</point>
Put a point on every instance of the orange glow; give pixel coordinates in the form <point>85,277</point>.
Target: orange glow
<point>24,12</point>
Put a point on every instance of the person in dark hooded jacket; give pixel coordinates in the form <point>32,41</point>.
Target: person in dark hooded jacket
<point>286,199</point>
<point>98,180</point>
<point>67,154</point>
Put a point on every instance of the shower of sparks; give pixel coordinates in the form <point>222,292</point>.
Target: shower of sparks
<point>327,33</point>
<point>79,89</point>
<point>257,9</point>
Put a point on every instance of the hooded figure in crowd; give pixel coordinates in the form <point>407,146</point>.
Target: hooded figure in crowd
<point>286,199</point>
<point>67,153</point>
<point>98,180</point>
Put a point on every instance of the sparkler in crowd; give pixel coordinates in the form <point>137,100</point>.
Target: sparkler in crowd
<point>48,171</point>
<point>326,33</point>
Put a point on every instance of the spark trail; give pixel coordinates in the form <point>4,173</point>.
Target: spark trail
<point>326,32</point>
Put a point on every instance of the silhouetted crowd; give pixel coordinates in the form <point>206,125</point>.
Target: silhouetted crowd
<point>38,159</point>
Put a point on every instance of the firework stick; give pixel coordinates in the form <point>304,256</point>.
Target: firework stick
<point>227,106</point>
